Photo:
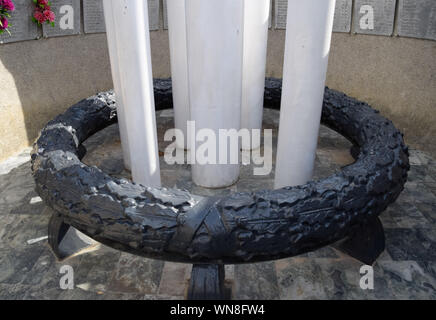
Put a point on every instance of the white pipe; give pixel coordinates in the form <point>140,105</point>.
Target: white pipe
<point>134,63</point>
<point>214,30</point>
<point>179,66</point>
<point>113,55</point>
<point>256,19</point>
<point>308,38</point>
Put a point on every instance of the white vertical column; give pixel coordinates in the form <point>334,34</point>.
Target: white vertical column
<point>308,38</point>
<point>256,18</point>
<point>179,65</point>
<point>214,30</point>
<point>133,60</point>
<point>113,55</point>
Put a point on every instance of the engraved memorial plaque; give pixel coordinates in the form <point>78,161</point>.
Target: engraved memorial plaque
<point>67,19</point>
<point>93,16</point>
<point>153,14</point>
<point>343,12</point>
<point>165,15</point>
<point>22,27</point>
<point>281,13</point>
<point>417,19</point>
<point>374,17</point>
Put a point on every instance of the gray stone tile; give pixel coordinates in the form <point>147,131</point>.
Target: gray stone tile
<point>174,279</point>
<point>13,292</point>
<point>411,244</point>
<point>301,279</point>
<point>96,269</point>
<point>44,278</point>
<point>16,186</point>
<point>322,279</point>
<point>407,280</point>
<point>119,296</point>
<point>162,297</point>
<point>80,294</point>
<point>15,264</point>
<point>31,204</point>
<point>406,270</point>
<point>326,252</point>
<point>386,218</point>
<point>21,228</point>
<point>136,275</point>
<point>417,192</point>
<point>428,210</point>
<point>256,281</point>
<point>407,215</point>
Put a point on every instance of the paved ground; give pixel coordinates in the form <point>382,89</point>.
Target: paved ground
<point>406,270</point>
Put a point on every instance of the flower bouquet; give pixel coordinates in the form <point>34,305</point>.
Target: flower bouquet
<point>6,7</point>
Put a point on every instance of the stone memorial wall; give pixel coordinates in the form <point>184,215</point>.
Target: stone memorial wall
<point>22,27</point>
<point>374,17</point>
<point>343,13</point>
<point>67,22</point>
<point>417,19</point>
<point>165,15</point>
<point>404,18</point>
<point>93,17</point>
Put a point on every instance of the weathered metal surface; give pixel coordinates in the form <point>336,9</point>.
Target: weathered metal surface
<point>66,241</point>
<point>366,243</point>
<point>207,282</point>
<point>244,227</point>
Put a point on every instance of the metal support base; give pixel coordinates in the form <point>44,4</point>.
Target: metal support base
<point>66,241</point>
<point>207,282</point>
<point>366,243</point>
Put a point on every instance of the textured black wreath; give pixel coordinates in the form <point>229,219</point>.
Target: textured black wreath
<point>244,227</point>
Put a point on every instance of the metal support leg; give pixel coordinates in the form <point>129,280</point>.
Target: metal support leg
<point>67,241</point>
<point>207,282</point>
<point>366,243</point>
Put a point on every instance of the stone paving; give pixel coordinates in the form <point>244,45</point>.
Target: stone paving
<point>406,270</point>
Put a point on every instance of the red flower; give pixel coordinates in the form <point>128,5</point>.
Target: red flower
<point>49,15</point>
<point>39,16</point>
<point>7,5</point>
<point>4,23</point>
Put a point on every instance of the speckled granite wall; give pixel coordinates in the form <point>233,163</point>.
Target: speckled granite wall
<point>40,79</point>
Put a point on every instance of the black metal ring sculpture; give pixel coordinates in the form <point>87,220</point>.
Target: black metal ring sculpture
<point>245,227</point>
